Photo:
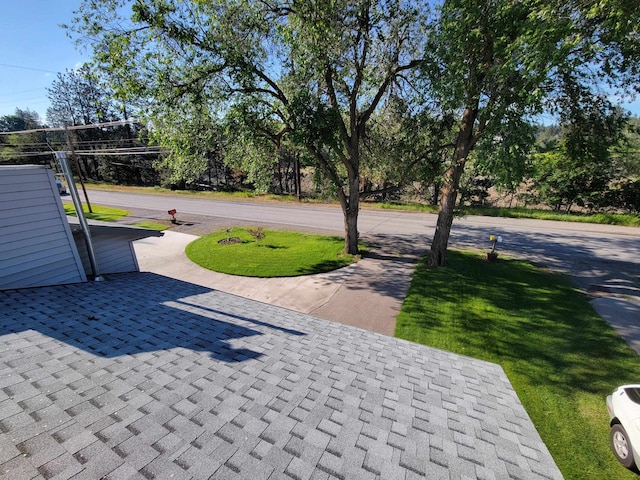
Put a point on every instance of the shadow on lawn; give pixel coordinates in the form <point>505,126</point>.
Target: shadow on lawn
<point>323,267</point>
<point>533,323</point>
<point>136,313</point>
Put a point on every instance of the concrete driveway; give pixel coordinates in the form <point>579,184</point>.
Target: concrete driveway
<point>368,294</point>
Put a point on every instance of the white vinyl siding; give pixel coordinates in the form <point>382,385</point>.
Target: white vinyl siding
<point>36,244</point>
<point>113,248</point>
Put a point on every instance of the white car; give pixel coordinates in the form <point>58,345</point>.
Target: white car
<point>624,410</point>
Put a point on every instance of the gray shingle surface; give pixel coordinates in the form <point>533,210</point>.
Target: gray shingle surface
<point>144,376</point>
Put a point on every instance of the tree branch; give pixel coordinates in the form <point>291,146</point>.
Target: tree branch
<point>279,94</point>
<point>333,101</point>
<point>383,88</point>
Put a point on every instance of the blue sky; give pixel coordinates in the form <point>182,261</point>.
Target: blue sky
<point>31,38</point>
<point>34,48</point>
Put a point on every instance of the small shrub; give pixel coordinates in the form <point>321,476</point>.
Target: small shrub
<point>257,233</point>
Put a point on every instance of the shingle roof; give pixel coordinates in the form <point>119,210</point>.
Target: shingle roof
<point>143,376</point>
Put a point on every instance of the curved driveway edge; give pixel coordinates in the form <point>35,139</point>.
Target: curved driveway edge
<point>367,294</point>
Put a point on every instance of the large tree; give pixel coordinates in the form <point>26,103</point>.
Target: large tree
<point>314,71</point>
<point>487,70</point>
<point>21,120</point>
<point>25,147</point>
<point>77,98</point>
<point>494,64</point>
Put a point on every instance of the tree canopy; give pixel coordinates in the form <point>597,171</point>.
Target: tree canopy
<point>77,98</point>
<point>312,72</point>
<point>371,89</point>
<point>24,148</point>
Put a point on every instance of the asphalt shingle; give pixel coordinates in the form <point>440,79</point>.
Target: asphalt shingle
<point>145,376</point>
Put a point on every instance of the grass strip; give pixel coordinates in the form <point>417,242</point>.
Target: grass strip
<point>151,225</point>
<point>104,214</point>
<point>560,356</point>
<point>204,194</point>
<point>605,218</point>
<point>278,254</point>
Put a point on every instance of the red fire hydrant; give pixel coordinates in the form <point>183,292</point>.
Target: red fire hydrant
<point>173,212</point>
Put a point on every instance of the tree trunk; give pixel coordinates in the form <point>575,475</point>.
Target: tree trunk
<point>279,175</point>
<point>437,187</point>
<point>440,242</point>
<point>297,175</point>
<point>450,186</point>
<point>350,206</point>
<point>349,201</point>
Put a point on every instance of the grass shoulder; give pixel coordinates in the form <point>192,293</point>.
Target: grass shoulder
<point>150,225</point>
<point>206,194</point>
<point>99,212</point>
<point>560,356</point>
<point>605,218</point>
<point>236,251</point>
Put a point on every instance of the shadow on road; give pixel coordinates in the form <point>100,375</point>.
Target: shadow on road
<point>593,262</point>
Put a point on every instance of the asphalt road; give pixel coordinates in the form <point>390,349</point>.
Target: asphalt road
<point>598,257</point>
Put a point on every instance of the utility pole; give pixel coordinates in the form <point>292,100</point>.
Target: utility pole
<point>84,224</point>
<point>75,161</point>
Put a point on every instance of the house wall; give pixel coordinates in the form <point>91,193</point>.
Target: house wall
<point>113,248</point>
<point>36,244</point>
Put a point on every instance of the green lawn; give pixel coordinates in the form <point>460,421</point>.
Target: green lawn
<point>560,356</point>
<point>279,254</point>
<point>151,225</point>
<point>105,214</point>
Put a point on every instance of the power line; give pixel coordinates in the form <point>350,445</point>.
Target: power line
<point>85,144</point>
<point>114,154</point>
<point>26,68</point>
<point>75,127</point>
<point>89,153</point>
<point>26,154</point>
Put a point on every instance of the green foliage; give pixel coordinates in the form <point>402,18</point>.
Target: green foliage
<point>22,148</point>
<point>610,35</point>
<point>581,169</point>
<point>403,150</point>
<point>624,194</point>
<point>278,254</point>
<point>252,142</point>
<point>626,154</point>
<point>505,159</point>
<point>311,71</point>
<point>560,356</point>
<point>77,98</point>
<point>20,120</point>
<point>193,140</point>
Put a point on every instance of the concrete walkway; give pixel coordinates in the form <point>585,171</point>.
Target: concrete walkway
<point>368,294</point>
